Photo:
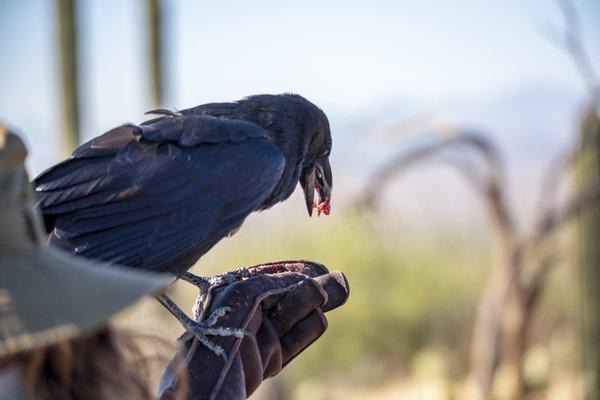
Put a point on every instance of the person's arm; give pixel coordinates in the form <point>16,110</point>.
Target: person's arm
<point>282,306</point>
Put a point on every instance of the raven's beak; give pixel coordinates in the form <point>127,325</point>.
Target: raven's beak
<point>317,179</point>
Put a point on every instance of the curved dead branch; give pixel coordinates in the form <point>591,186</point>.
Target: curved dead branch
<point>552,179</point>
<point>488,184</point>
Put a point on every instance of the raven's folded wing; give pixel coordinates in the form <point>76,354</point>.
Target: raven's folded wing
<point>193,129</point>
<point>158,198</point>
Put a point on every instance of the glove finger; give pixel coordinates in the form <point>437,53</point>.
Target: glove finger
<point>296,305</point>
<point>337,288</point>
<point>280,280</point>
<point>334,283</point>
<point>261,356</point>
<point>242,294</point>
<point>269,349</point>
<point>284,279</point>
<point>303,335</point>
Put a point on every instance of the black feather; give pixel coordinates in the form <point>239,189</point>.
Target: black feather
<point>160,195</point>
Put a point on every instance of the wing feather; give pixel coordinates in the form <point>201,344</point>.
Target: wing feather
<point>148,202</point>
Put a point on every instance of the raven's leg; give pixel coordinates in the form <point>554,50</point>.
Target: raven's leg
<point>205,283</point>
<point>203,328</point>
<point>205,286</point>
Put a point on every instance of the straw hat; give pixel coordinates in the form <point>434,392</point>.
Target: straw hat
<point>47,295</point>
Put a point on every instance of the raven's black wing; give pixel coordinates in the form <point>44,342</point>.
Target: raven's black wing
<point>159,196</point>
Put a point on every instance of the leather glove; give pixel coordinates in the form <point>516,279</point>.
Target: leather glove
<point>281,306</point>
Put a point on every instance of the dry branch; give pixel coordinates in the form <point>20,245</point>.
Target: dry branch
<point>487,184</point>
<point>507,292</point>
<point>509,297</point>
<point>487,179</point>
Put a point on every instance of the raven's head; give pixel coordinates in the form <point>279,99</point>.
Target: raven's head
<point>301,130</point>
<point>316,172</point>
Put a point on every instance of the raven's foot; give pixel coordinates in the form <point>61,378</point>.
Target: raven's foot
<point>203,328</point>
<point>207,284</point>
<point>232,276</point>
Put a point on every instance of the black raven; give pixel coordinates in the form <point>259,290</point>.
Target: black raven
<point>159,195</point>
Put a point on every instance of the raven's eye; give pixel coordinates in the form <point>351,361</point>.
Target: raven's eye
<point>324,153</point>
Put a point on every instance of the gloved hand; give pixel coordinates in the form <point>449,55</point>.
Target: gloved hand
<point>281,305</point>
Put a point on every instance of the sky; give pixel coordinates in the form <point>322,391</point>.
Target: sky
<point>485,63</point>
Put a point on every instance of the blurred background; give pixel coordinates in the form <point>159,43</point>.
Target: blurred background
<point>465,159</point>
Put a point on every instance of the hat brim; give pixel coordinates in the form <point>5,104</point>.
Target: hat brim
<point>48,295</point>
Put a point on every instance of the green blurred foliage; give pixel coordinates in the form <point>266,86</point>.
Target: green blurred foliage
<point>411,307</point>
<point>405,295</point>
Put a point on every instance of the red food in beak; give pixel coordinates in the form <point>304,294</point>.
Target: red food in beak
<point>322,207</point>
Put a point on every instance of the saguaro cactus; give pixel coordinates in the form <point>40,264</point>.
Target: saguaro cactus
<point>66,25</point>
<point>588,170</point>
<point>155,51</point>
